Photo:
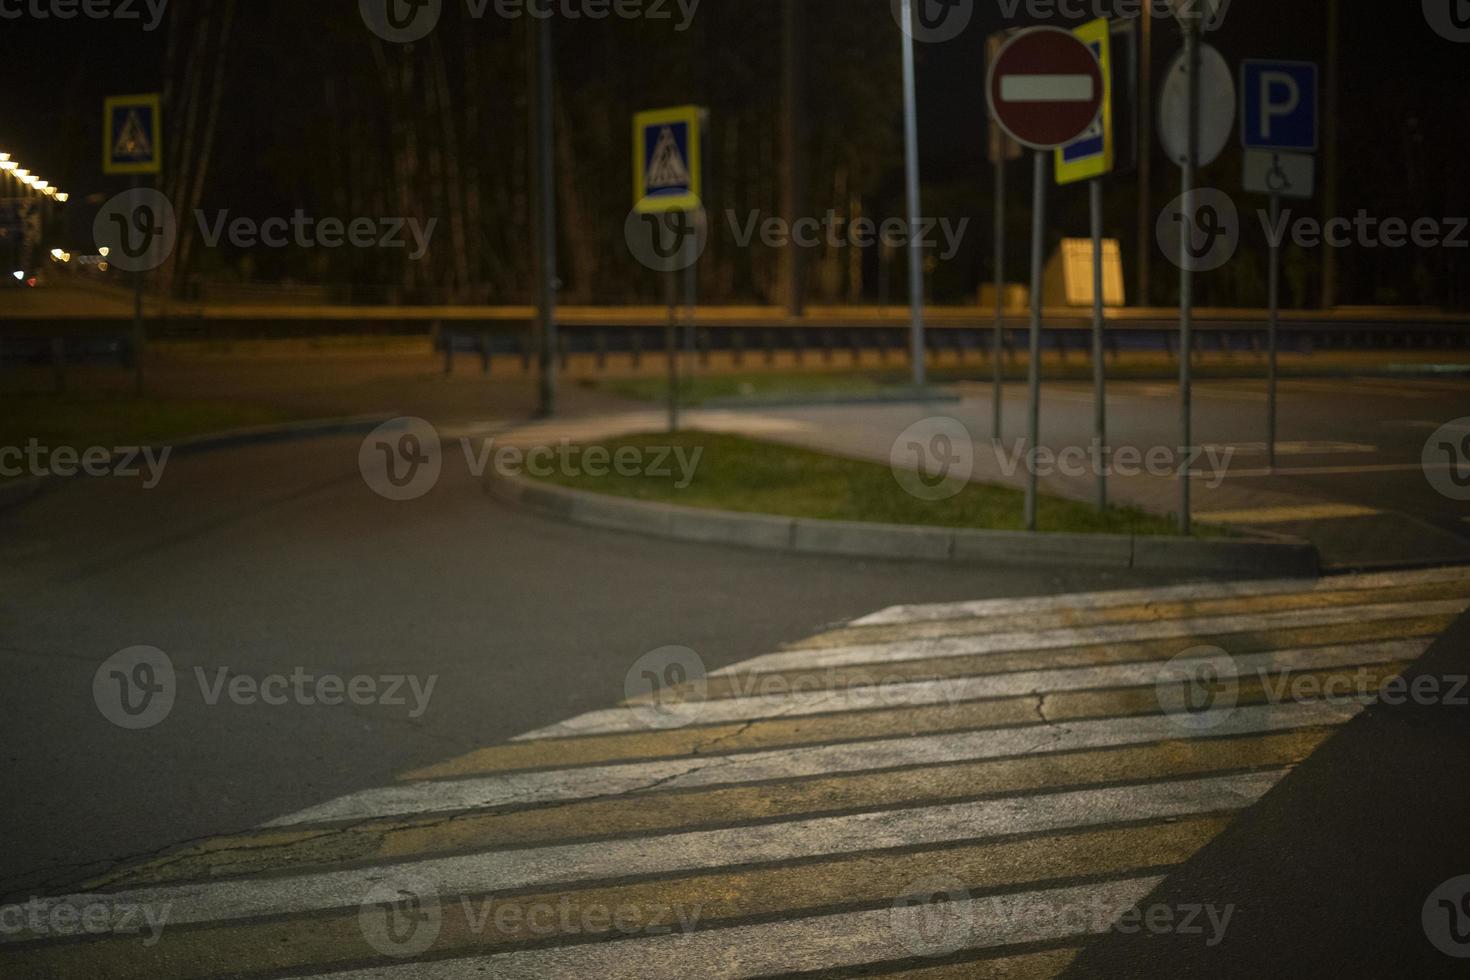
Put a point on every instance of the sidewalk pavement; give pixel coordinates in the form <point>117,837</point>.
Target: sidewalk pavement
<point>1313,495</point>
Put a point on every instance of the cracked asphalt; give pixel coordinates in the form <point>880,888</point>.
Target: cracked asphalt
<point>276,561</point>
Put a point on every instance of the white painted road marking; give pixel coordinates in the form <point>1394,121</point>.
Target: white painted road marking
<point>705,849</point>
<point>522,788</point>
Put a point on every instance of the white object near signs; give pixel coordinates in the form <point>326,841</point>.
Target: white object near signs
<point>1287,174</point>
<point>1216,107</point>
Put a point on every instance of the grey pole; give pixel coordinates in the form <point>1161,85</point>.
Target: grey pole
<point>1273,336</point>
<point>1329,147</point>
<point>691,296</point>
<point>1186,277</point>
<point>997,342</point>
<point>140,332</point>
<point>1038,256</point>
<point>793,141</point>
<point>911,164</point>
<point>545,221</point>
<point>1099,369</point>
<point>1145,111</point>
<point>671,342</point>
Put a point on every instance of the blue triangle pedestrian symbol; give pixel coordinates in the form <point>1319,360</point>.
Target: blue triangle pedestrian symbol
<point>132,139</point>
<point>667,168</point>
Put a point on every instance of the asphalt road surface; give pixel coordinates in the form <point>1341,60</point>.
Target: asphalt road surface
<point>273,559</point>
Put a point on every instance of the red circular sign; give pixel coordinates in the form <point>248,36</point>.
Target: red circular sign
<point>1045,87</point>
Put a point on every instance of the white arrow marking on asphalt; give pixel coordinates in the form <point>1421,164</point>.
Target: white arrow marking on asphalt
<point>1046,88</point>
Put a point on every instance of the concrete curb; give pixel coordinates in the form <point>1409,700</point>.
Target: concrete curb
<point>1250,557</point>
<point>13,494</point>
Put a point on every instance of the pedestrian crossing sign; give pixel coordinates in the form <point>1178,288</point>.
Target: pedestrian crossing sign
<point>666,159</point>
<point>132,137</point>
<point>1091,155</point>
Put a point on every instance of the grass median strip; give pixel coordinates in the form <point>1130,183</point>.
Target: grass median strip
<point>752,476</point>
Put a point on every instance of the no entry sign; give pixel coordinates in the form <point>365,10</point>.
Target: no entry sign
<point>1045,88</point>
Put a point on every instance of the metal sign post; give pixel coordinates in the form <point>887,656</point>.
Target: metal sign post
<point>911,167</point>
<point>1033,375</point>
<point>997,341</point>
<point>132,144</point>
<point>1273,333</point>
<point>1002,150</point>
<point>1194,131</point>
<point>668,181</point>
<point>1044,90</point>
<point>1279,130</point>
<point>1186,274</point>
<point>1099,369</point>
<point>671,346</point>
<point>544,220</point>
<point>1090,157</point>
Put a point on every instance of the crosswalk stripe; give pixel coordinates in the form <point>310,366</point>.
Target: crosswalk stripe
<point>703,849</point>
<point>1173,593</point>
<point>890,722</point>
<point>560,785</point>
<point>824,942</point>
<point>976,665</point>
<point>389,839</point>
<point>483,921</point>
<point>956,690</point>
<point>1139,612</point>
<point>1028,966</point>
<point>796,817</point>
<point>1052,639</point>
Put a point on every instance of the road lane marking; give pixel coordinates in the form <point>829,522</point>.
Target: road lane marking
<point>1035,621</point>
<point>484,921</point>
<point>705,849</point>
<point>393,839</point>
<point>579,784</point>
<point>901,721</point>
<point>846,939</point>
<point>956,690</point>
<point>979,665</point>
<point>958,646</point>
<point>1358,470</point>
<point>1130,597</point>
<point>1287,515</point>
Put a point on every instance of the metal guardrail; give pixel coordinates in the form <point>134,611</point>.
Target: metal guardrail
<point>749,335</point>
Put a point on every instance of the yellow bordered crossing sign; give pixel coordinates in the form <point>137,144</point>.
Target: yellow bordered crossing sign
<point>1091,154</point>
<point>132,134</point>
<point>667,169</point>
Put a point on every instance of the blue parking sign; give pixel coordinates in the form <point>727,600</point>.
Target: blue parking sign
<point>1278,105</point>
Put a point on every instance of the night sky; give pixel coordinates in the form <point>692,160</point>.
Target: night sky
<point>1404,91</point>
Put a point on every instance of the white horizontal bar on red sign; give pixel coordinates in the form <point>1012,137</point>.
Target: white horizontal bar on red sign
<point>1046,88</point>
